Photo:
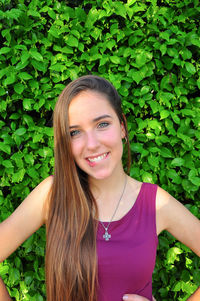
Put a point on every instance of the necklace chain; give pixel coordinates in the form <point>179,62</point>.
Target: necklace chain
<point>106,235</point>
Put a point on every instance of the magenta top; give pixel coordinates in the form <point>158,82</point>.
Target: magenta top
<point>127,260</point>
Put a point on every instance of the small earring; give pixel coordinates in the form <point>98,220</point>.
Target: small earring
<point>125,138</point>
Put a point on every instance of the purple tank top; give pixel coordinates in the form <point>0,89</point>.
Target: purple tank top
<point>127,260</point>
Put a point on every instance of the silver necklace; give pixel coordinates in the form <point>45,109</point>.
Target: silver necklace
<point>106,235</point>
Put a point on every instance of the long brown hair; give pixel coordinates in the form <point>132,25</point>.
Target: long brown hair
<point>71,260</point>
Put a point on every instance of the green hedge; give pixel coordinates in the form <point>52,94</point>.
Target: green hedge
<point>149,50</point>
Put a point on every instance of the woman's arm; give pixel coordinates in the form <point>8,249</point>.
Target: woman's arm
<point>25,220</point>
<point>172,216</point>
<point>4,296</point>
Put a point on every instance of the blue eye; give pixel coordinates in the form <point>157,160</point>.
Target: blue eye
<point>103,124</point>
<point>74,133</point>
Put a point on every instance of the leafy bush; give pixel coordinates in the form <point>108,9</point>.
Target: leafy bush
<point>149,50</point>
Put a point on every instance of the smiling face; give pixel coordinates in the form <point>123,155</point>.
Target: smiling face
<point>96,134</point>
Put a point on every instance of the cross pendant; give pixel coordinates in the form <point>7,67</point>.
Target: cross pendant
<point>106,236</point>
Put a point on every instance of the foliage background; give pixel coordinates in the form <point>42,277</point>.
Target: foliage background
<point>149,50</point>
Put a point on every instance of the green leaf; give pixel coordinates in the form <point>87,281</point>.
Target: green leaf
<point>5,148</point>
<point>177,287</point>
<point>13,13</point>
<point>20,131</point>
<point>145,90</point>
<point>35,54</point>
<point>37,137</point>
<point>52,14</point>
<point>21,65</point>
<point>33,13</point>
<point>165,97</point>
<point>137,76</point>
<point>3,269</point>
<point>27,103</point>
<point>119,8</point>
<point>177,162</point>
<point>198,82</point>
<point>188,287</point>
<point>190,67</point>
<point>188,112</point>
<point>147,177</point>
<point>185,275</point>
<point>153,161</point>
<point>46,152</point>
<point>165,35</point>
<point>29,159</point>
<point>192,176</point>
<point>28,119</point>
<point>48,131</point>
<point>163,49</point>
<point>172,174</point>
<point>7,164</point>
<point>5,50</point>
<point>32,172</point>
<point>10,79</point>
<point>54,31</point>
<point>58,67</point>
<point>25,56</point>
<point>15,116</point>
<point>19,88</point>
<point>110,44</point>
<point>14,275</point>
<point>72,41</point>
<point>92,17</point>
<point>173,52</point>
<point>25,76</point>
<point>2,91</point>
<point>186,54</point>
<point>172,255</point>
<point>175,118</point>
<point>164,114</point>
<point>142,58</point>
<point>115,59</point>
<point>39,65</point>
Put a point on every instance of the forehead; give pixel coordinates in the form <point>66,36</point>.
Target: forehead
<point>89,104</point>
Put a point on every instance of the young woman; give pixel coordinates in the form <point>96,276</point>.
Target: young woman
<point>102,225</point>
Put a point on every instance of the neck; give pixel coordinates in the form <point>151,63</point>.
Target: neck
<point>106,188</point>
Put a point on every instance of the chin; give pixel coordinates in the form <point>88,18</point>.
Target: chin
<point>100,175</point>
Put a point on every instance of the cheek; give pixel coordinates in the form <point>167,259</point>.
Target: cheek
<point>113,137</point>
<point>76,147</point>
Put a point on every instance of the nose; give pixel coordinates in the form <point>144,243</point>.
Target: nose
<point>92,140</point>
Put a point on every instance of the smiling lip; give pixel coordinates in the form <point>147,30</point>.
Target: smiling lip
<point>97,158</point>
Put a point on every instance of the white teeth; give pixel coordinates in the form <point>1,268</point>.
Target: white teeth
<point>99,158</point>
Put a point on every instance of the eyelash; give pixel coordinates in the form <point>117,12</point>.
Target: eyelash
<point>103,124</point>
<point>74,133</point>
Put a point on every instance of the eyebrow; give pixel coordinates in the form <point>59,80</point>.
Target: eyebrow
<point>94,120</point>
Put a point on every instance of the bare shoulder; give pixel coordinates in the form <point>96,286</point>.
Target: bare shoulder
<point>43,191</point>
<point>173,216</point>
<point>135,184</point>
<point>45,186</point>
